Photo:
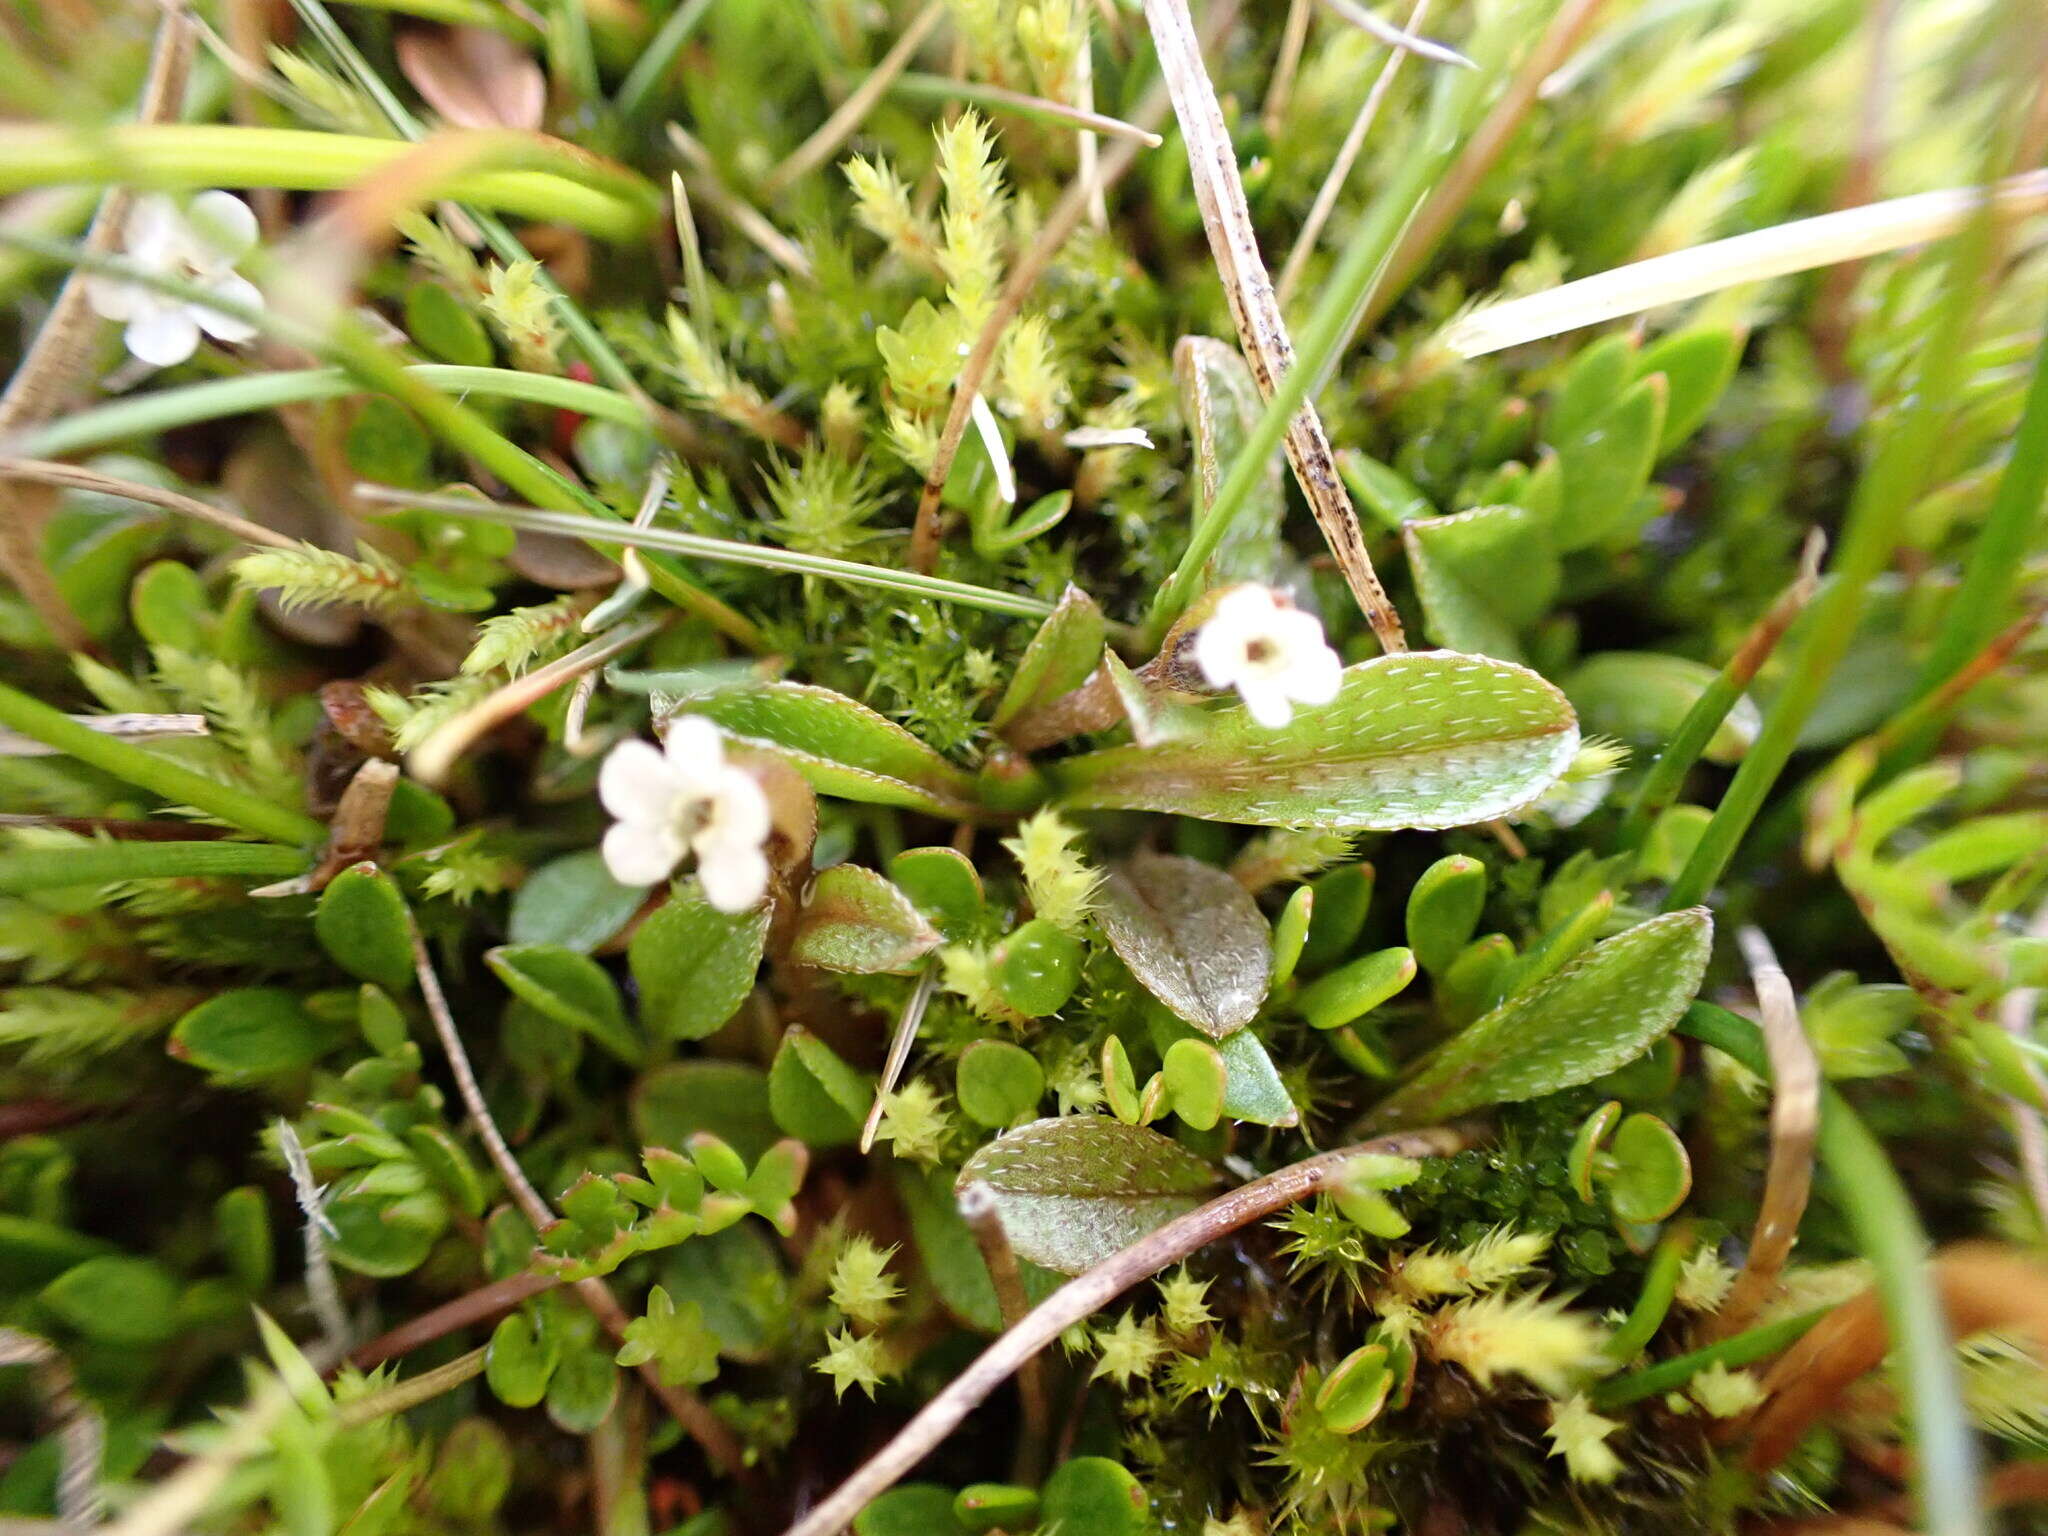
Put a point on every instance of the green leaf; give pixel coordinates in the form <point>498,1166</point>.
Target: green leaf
<point>1096,1495</point>
<point>1697,365</point>
<point>1424,740</point>
<point>694,964</point>
<point>250,1032</point>
<point>683,1351</point>
<point>520,1362</point>
<point>1353,990</point>
<point>572,901</point>
<point>1074,1190</point>
<point>1356,1389</point>
<point>1037,968</point>
<point>583,1390</point>
<point>117,1300</point>
<point>1252,1090</point>
<point>996,1507</point>
<point>385,1235</point>
<point>1653,1174</point>
<point>914,1509</point>
<point>729,1099</point>
<point>942,883</point>
<point>363,925</point>
<point>1192,936</point>
<point>1443,910</point>
<point>1220,401</point>
<point>1382,490</point>
<point>386,443</point>
<point>1642,696</point>
<point>448,1166</point>
<point>1341,898</point>
<point>242,1220</point>
<point>1066,649</point>
<point>472,1474</point>
<point>855,921</point>
<point>1482,575</point>
<point>840,746</point>
<point>1196,1077</point>
<point>445,327</point>
<point>171,609</point>
<point>998,1083</point>
<point>571,989</point>
<point>814,1095</point>
<point>1603,1009</point>
<point>1593,382</point>
<point>1607,464</point>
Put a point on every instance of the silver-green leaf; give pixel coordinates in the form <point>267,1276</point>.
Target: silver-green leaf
<point>1427,740</point>
<point>1074,1190</point>
<point>1605,1008</point>
<point>1192,936</point>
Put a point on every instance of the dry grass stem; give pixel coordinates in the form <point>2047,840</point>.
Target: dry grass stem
<point>1795,1130</point>
<point>77,477</point>
<point>1780,251</point>
<point>1262,331</point>
<point>840,126</point>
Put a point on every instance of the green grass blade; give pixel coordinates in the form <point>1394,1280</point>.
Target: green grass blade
<point>44,869</point>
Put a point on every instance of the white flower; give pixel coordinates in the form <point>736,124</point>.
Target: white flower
<point>1271,652</point>
<point>200,245</point>
<point>684,798</point>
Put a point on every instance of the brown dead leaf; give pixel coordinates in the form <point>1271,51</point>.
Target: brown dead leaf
<point>474,78</point>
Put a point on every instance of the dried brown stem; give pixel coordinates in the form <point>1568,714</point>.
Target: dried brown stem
<point>710,1432</point>
<point>1087,1294</point>
<point>1261,329</point>
<point>1477,158</point>
<point>899,1051</point>
<point>1060,223</point>
<point>840,126</point>
<point>1280,89</point>
<point>977,1204</point>
<point>1795,1128</point>
<point>485,1304</point>
<point>76,477</point>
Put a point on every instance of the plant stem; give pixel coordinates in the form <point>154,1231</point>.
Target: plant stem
<point>43,869</point>
<point>457,13</point>
<point>1661,784</point>
<point>1887,486</point>
<point>846,118</point>
<point>946,89</point>
<point>1888,1230</point>
<point>652,67</point>
<point>1668,1375</point>
<point>161,776</point>
<point>698,546</point>
<point>553,180</point>
<point>159,411</point>
<point>414,1390</point>
<point>486,1304</point>
<point>1321,339</point>
<point>80,478</point>
<point>1087,1294</point>
<point>1998,554</point>
<point>1653,1303</point>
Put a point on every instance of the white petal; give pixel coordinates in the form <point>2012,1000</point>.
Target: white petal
<point>696,754</point>
<point>635,783</point>
<point>1266,703</point>
<point>113,299</point>
<point>1294,630</point>
<point>163,336</point>
<point>1316,676</point>
<point>235,290</point>
<point>1250,605</point>
<point>151,229</point>
<point>736,879</point>
<point>1219,650</point>
<point>641,853</point>
<point>739,810</point>
<point>224,226</point>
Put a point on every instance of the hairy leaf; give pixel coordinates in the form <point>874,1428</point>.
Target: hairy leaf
<point>1605,1008</point>
<point>854,920</point>
<point>1428,740</point>
<point>1192,936</point>
<point>1059,658</point>
<point>1072,1191</point>
<point>694,964</point>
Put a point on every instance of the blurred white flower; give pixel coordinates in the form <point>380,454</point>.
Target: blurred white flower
<point>1270,651</point>
<point>682,798</point>
<point>199,244</point>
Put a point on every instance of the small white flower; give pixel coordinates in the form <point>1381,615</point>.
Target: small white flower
<point>1271,652</point>
<point>200,245</point>
<point>683,798</point>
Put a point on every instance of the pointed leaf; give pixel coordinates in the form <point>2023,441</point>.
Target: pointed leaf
<point>1642,696</point>
<point>1607,465</point>
<point>1482,575</point>
<point>1697,365</point>
<point>1059,658</point>
<point>813,1094</point>
<point>1073,1190</point>
<point>853,920</point>
<point>1221,403</point>
<point>840,746</point>
<point>694,964</point>
<point>1426,740</point>
<point>571,989</point>
<point>1192,936</point>
<point>1607,1007</point>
